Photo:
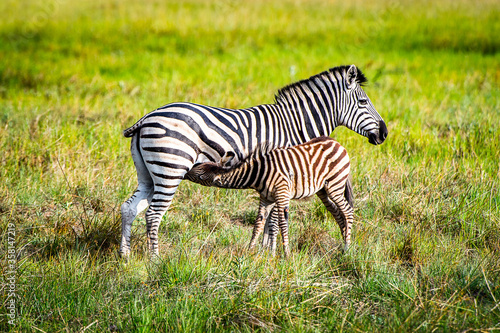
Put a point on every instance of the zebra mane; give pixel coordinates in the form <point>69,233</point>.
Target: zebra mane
<point>360,79</point>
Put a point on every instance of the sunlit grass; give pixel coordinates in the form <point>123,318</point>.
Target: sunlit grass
<point>426,238</point>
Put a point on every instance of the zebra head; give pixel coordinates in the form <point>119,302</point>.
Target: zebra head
<point>208,174</point>
<point>202,174</point>
<point>357,111</point>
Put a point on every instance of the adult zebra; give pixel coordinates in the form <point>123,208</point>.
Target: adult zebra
<point>168,141</point>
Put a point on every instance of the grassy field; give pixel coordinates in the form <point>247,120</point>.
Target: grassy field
<point>426,240</point>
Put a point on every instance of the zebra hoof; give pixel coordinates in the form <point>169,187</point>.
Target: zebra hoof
<point>124,253</point>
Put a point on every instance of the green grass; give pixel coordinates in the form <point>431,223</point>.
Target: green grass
<point>426,239</point>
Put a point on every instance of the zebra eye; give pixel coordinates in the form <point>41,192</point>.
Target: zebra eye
<point>363,102</point>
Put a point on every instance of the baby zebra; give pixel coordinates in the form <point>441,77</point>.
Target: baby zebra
<point>320,166</point>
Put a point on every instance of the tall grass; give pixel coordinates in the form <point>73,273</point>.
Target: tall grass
<point>426,238</point>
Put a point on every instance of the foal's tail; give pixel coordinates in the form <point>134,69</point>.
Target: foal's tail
<point>348,194</point>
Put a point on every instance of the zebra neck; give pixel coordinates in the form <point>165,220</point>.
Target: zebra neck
<point>243,176</point>
<point>311,113</point>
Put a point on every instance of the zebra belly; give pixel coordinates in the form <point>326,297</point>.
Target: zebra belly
<point>305,193</point>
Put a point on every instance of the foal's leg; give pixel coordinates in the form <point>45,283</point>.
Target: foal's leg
<point>347,212</point>
<point>279,218</point>
<point>266,241</point>
<point>264,209</point>
<point>332,208</point>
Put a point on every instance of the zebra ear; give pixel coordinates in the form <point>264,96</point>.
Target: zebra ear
<point>227,158</point>
<point>204,176</point>
<point>351,76</point>
<point>217,182</point>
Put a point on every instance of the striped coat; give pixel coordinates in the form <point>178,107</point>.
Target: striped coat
<point>320,166</point>
<point>167,142</point>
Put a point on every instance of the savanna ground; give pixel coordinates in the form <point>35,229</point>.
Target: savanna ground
<point>426,246</point>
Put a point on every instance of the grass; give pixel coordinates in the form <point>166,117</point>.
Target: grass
<point>426,240</point>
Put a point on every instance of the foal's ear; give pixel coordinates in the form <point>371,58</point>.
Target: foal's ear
<point>227,158</point>
<point>351,76</point>
<point>204,176</point>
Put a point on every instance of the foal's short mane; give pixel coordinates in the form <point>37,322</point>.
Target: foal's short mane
<point>261,150</point>
<point>265,148</point>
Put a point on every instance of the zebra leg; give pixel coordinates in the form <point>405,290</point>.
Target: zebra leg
<point>332,208</point>
<point>283,224</point>
<point>266,239</point>
<point>138,201</point>
<point>167,161</point>
<point>129,211</point>
<point>347,214</point>
<point>280,219</point>
<point>163,194</point>
<point>264,208</point>
<point>273,230</point>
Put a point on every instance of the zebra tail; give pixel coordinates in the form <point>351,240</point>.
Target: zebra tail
<point>348,193</point>
<point>129,132</point>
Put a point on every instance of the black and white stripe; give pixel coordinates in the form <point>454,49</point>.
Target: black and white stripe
<point>167,142</point>
<point>320,166</point>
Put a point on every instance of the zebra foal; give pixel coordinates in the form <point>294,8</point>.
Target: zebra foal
<point>320,166</point>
